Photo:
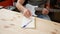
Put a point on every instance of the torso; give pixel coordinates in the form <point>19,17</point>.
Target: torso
<point>36,2</point>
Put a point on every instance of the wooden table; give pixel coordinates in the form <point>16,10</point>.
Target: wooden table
<point>10,23</point>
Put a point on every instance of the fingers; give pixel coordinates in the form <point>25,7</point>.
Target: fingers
<point>27,13</point>
<point>45,11</point>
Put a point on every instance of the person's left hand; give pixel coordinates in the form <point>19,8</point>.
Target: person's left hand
<point>45,11</point>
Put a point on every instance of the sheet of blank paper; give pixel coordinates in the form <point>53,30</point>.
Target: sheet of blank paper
<point>28,22</point>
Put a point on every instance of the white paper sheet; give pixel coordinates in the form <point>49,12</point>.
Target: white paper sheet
<point>28,22</point>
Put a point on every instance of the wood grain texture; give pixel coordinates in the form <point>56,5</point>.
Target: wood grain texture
<point>42,26</point>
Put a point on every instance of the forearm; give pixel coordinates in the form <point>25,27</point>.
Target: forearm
<point>48,4</point>
<point>20,6</point>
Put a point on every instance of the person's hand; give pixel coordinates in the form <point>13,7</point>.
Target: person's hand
<point>45,11</point>
<point>27,13</point>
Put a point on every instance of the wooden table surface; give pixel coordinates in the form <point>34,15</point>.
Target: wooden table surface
<point>10,23</point>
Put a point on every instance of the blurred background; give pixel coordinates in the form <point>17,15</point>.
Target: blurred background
<point>54,4</point>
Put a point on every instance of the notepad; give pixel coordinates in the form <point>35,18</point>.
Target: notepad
<point>28,22</point>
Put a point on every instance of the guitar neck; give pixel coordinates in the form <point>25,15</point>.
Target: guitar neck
<point>51,10</point>
<point>54,10</point>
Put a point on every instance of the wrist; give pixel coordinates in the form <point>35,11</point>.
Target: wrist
<point>24,10</point>
<point>46,9</point>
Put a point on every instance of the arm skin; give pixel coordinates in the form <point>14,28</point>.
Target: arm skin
<point>48,4</point>
<point>45,11</point>
<point>21,8</point>
<point>19,5</point>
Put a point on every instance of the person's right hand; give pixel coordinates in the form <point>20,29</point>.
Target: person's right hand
<point>27,13</point>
